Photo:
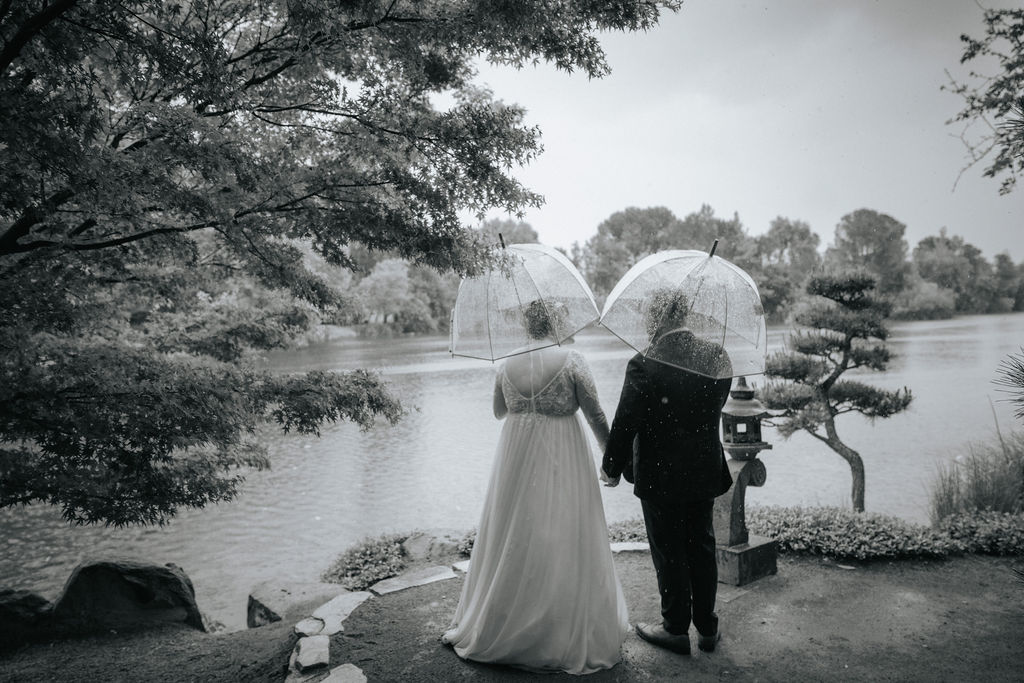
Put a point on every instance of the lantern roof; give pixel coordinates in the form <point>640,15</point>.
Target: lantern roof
<point>742,403</point>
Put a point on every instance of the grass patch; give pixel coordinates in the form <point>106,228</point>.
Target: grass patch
<point>990,476</point>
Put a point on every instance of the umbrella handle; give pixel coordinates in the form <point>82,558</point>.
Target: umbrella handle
<point>710,254</point>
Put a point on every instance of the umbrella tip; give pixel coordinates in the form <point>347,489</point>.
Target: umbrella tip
<point>502,240</point>
<point>713,247</point>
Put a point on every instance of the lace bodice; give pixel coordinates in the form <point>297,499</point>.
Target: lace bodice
<point>572,388</point>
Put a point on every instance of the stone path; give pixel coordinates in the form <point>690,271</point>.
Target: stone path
<point>310,659</point>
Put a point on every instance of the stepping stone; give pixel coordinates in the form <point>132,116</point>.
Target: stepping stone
<point>346,673</point>
<point>312,652</point>
<point>310,626</point>
<point>461,566</point>
<point>410,579</point>
<point>630,547</point>
<point>335,612</point>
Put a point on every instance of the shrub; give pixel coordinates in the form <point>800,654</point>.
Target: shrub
<point>988,532</point>
<point>844,534</point>
<point>629,531</point>
<point>989,477</point>
<point>367,562</point>
<point>465,545</point>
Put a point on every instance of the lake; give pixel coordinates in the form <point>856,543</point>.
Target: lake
<point>431,469</point>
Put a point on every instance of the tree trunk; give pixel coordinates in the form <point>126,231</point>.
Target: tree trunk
<point>853,458</point>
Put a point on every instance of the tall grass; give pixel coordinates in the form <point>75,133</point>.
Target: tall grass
<point>990,476</point>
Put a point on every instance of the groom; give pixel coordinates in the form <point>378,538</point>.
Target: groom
<point>664,438</point>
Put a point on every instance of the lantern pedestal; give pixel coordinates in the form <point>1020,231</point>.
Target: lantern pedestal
<point>742,558</point>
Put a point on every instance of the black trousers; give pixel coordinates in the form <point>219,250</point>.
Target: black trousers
<point>682,539</point>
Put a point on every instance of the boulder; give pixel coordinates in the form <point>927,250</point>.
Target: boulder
<point>272,601</point>
<point>24,615</point>
<point>125,595</point>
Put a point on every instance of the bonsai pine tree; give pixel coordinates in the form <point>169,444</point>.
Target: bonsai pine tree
<point>843,329</point>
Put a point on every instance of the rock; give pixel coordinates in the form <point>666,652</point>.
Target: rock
<point>125,595</point>
<point>346,673</point>
<point>273,601</point>
<point>312,652</point>
<point>24,615</point>
<point>335,612</point>
<point>434,546</point>
<point>310,626</point>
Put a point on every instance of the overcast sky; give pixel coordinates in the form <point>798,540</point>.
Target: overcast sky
<point>795,108</point>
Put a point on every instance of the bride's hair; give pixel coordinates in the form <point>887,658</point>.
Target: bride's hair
<point>543,319</point>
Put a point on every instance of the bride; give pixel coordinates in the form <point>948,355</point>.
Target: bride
<point>541,592</point>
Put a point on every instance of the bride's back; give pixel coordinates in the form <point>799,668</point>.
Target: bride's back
<point>531,372</point>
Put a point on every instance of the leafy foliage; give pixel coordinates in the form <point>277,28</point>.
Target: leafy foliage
<point>844,534</point>
<point>996,103</point>
<point>987,532</point>
<point>805,386</point>
<point>177,179</point>
<point>367,562</point>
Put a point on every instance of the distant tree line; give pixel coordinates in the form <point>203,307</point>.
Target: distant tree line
<point>941,276</point>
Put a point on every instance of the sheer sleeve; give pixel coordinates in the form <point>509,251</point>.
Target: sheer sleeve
<point>500,408</point>
<point>586,396</point>
<point>629,416</point>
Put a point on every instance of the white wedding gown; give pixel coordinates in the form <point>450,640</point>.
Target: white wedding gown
<point>541,592</point>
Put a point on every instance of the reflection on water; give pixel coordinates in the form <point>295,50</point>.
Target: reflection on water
<point>431,469</point>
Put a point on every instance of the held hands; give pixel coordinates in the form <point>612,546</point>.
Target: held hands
<point>608,481</point>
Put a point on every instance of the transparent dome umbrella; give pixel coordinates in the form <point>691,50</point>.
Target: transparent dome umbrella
<point>489,318</point>
<point>693,310</point>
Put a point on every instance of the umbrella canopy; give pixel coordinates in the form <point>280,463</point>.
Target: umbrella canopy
<point>537,298</point>
<point>692,310</point>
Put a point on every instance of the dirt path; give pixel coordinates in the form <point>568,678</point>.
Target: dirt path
<point>961,619</point>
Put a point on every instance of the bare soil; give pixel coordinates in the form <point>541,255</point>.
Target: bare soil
<point>951,620</point>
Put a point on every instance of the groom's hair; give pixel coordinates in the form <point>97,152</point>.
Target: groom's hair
<point>666,311</point>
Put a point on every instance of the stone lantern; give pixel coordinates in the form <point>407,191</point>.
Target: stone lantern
<point>742,558</point>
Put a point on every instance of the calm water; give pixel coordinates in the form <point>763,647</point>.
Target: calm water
<point>430,470</point>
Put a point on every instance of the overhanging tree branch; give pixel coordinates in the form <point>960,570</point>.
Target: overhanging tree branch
<point>30,28</point>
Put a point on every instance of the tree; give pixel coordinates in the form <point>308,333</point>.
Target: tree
<point>782,261</point>
<point>789,243</point>
<point>873,241</point>
<point>839,336</point>
<point>513,232</point>
<point>624,238</point>
<point>161,165</point>
<point>995,103</point>
<point>629,235</point>
<point>954,264</point>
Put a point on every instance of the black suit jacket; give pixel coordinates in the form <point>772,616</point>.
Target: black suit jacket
<point>673,416</point>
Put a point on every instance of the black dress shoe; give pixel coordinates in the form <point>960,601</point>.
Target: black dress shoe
<point>657,635</point>
<point>707,643</point>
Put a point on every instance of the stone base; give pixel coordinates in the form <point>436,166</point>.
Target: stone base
<point>746,562</point>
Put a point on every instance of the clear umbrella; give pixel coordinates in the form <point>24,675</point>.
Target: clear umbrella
<point>536,298</point>
<point>693,310</point>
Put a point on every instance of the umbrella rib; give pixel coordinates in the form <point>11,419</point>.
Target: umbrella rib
<point>487,313</point>
<point>540,298</point>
